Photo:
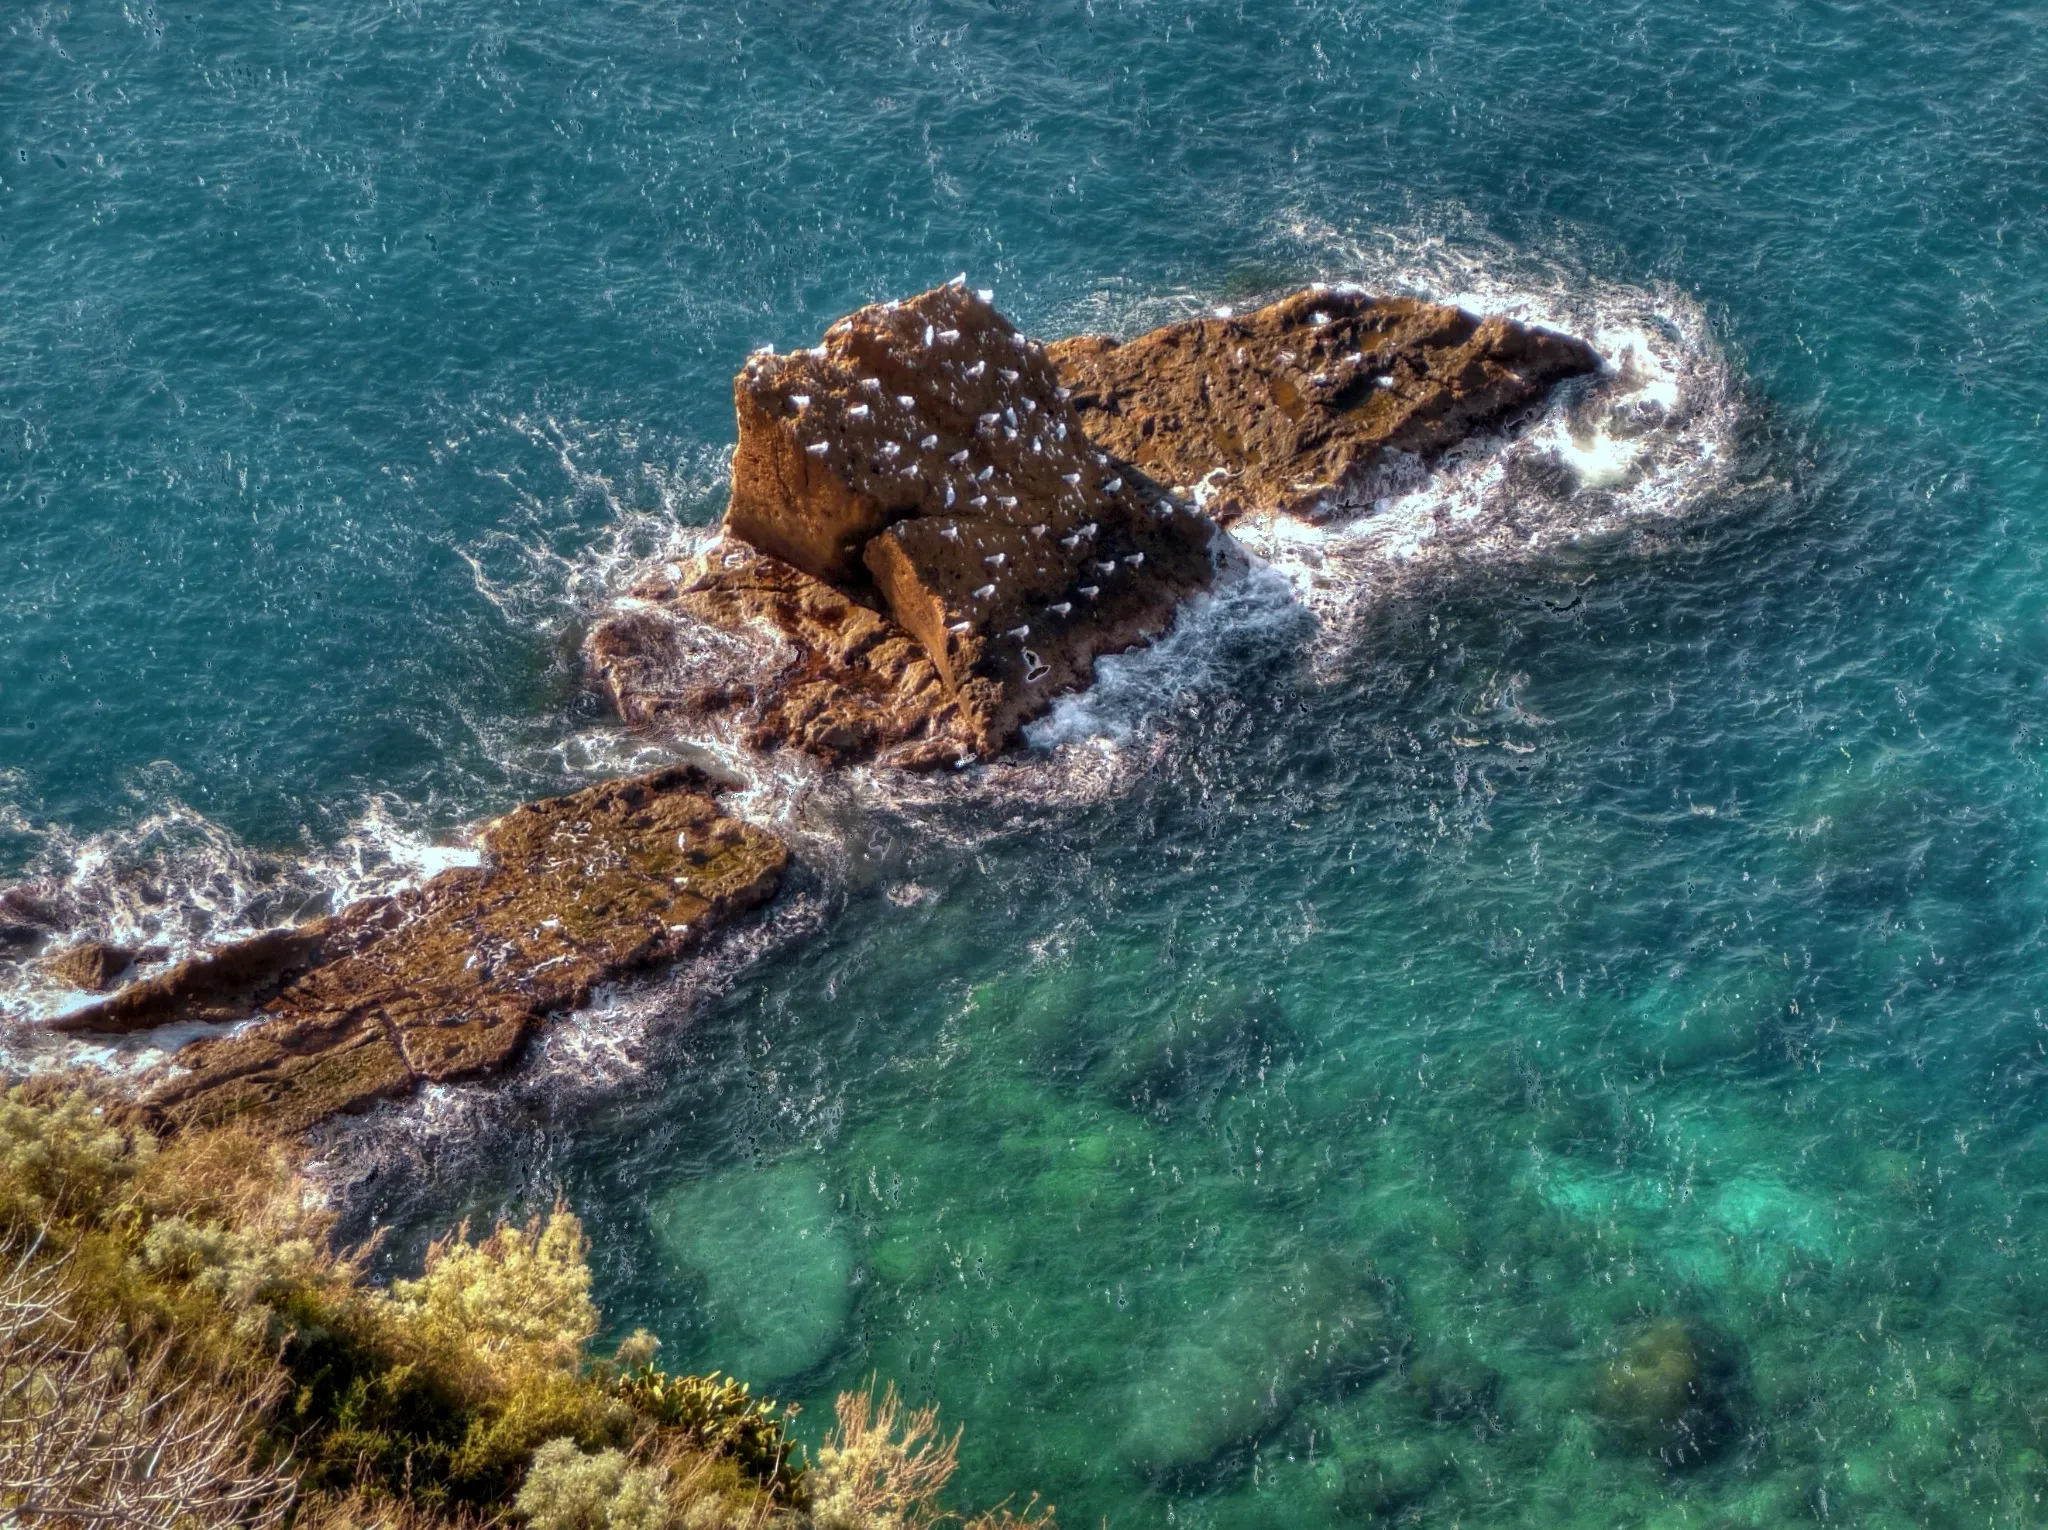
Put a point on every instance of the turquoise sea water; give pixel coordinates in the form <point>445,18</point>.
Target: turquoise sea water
<point>1449,993</point>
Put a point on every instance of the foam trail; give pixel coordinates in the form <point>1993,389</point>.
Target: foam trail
<point>177,883</point>
<point>651,515</point>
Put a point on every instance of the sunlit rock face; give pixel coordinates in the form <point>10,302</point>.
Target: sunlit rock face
<point>940,525</point>
<point>1320,403</point>
<point>922,525</point>
<point>448,980</point>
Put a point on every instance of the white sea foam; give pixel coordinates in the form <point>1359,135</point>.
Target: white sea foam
<point>653,504</point>
<point>177,883</point>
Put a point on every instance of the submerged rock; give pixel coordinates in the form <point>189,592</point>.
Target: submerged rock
<point>1320,403</point>
<point>921,475</point>
<point>767,1260</point>
<point>1671,1390</point>
<point>447,981</point>
<point>31,914</point>
<point>1245,1361</point>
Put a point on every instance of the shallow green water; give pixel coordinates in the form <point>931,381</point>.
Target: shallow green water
<point>1299,1137</point>
<point>1648,931</point>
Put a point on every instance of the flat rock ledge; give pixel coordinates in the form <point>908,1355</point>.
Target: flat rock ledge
<point>448,981</point>
<point>937,525</point>
<point>1316,406</point>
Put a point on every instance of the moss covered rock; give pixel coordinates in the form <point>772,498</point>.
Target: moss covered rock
<point>1671,1390</point>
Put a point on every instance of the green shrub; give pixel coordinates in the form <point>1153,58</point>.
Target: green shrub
<point>189,1290</point>
<point>718,1414</point>
<point>61,1162</point>
<point>516,1304</point>
<point>568,1490</point>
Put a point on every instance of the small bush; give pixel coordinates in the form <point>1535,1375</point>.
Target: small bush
<point>568,1490</point>
<point>870,1476</point>
<point>515,1304</point>
<point>61,1161</point>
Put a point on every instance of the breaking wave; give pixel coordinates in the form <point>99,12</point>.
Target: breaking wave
<point>169,886</point>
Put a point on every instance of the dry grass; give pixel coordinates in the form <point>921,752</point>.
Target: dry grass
<point>881,1468</point>
<point>91,1434</point>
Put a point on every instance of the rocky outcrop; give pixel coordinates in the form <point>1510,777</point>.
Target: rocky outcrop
<point>448,981</point>
<point>834,678</point>
<point>1316,405</point>
<point>937,526</point>
<point>31,915</point>
<point>920,476</point>
<point>92,965</point>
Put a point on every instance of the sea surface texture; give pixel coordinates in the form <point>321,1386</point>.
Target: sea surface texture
<point>1469,989</point>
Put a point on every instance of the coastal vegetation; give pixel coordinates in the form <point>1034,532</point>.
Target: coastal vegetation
<point>183,1347</point>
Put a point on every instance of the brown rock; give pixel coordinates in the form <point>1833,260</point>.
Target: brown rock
<point>1317,404</point>
<point>448,981</point>
<point>230,983</point>
<point>91,964</point>
<point>926,524</point>
<point>844,682</point>
<point>283,1075</point>
<point>921,474</point>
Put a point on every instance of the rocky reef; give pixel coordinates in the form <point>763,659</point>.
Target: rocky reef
<point>447,981</point>
<point>1671,1390</point>
<point>938,525</point>
<point>920,518</point>
<point>1316,405</point>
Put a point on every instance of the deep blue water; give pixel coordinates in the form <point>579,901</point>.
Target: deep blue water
<point>1647,930</point>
